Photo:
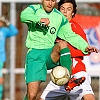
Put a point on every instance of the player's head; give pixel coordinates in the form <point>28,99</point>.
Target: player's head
<point>48,5</point>
<point>2,21</point>
<point>68,8</point>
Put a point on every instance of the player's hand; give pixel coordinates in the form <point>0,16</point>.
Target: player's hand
<point>91,49</point>
<point>45,20</point>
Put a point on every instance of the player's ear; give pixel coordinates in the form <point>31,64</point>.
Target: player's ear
<point>72,14</point>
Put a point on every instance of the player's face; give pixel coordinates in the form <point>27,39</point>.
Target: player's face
<point>67,10</point>
<point>48,5</point>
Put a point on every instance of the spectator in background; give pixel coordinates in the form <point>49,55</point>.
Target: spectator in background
<point>6,30</point>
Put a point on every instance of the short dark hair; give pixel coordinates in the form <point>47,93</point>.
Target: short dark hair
<point>68,1</point>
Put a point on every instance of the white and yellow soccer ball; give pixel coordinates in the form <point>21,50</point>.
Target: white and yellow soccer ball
<point>60,75</point>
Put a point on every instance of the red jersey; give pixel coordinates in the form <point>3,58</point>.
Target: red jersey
<point>77,55</point>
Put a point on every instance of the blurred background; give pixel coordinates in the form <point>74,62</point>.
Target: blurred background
<point>88,16</point>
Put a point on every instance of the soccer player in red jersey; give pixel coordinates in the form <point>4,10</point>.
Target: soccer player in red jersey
<point>84,91</point>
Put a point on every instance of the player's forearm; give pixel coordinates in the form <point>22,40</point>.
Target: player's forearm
<point>75,40</point>
<point>78,42</point>
<point>75,52</point>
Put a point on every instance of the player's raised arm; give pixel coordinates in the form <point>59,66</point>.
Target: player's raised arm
<point>75,40</point>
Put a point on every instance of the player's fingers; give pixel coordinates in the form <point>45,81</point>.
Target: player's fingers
<point>93,49</point>
<point>96,50</point>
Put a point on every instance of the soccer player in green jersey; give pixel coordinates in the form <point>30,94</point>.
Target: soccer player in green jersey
<point>45,23</point>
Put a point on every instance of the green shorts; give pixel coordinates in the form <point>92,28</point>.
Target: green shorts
<point>37,63</point>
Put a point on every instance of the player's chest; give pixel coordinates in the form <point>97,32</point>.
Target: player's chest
<point>54,21</point>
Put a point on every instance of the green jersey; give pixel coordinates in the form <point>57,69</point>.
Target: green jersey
<point>41,38</point>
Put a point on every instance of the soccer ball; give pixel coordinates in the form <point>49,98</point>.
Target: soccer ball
<point>60,75</point>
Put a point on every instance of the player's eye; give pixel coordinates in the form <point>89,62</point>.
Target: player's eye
<point>69,9</point>
<point>62,8</point>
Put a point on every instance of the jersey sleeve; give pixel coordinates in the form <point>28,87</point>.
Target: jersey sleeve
<point>28,15</point>
<point>78,30</point>
<point>75,40</point>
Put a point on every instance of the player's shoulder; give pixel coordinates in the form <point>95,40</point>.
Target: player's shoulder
<point>60,15</point>
<point>76,24</point>
<point>58,12</point>
<point>35,6</point>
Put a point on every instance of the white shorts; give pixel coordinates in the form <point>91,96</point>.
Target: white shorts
<point>54,92</point>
